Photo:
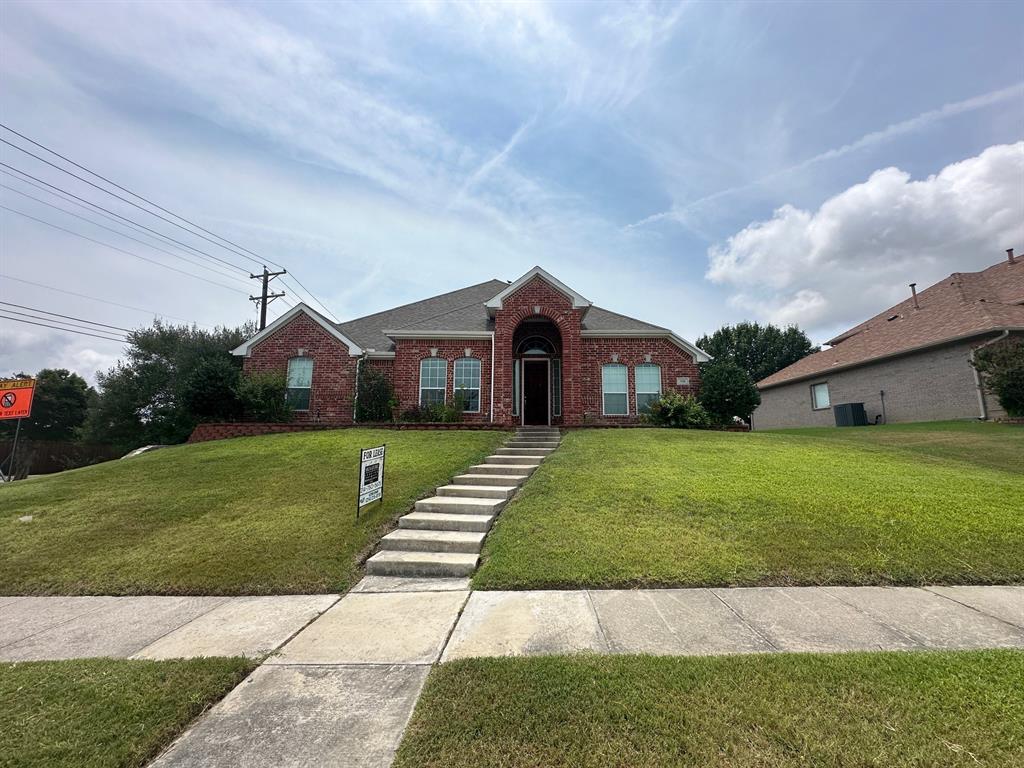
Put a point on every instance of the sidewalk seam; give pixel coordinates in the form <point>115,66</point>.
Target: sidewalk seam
<point>745,622</point>
<point>929,590</point>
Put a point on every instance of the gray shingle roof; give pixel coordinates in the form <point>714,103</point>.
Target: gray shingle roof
<point>462,310</point>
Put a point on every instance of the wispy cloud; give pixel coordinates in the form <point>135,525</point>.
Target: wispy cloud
<point>914,124</point>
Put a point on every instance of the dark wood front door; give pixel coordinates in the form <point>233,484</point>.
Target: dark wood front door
<point>535,391</point>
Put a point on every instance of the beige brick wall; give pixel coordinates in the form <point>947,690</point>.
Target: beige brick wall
<point>927,386</point>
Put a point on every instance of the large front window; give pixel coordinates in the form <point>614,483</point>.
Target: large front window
<point>300,381</point>
<point>648,386</point>
<point>615,390</point>
<point>467,383</point>
<point>433,379</point>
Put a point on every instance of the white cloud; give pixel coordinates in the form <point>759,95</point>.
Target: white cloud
<point>855,255</point>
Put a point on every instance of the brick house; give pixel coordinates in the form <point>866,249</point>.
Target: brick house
<point>533,351</point>
<point>911,362</point>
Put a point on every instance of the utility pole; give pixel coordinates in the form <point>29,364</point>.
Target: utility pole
<point>265,298</point>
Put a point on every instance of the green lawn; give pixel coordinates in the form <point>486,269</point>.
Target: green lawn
<point>934,503</point>
<point>104,712</point>
<point>865,709</point>
<point>260,515</point>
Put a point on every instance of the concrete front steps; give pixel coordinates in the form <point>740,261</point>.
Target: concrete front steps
<point>443,535</point>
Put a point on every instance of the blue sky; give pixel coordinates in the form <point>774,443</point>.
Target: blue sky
<point>692,164</point>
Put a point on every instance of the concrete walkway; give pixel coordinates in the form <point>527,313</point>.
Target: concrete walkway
<point>38,628</point>
<point>341,692</point>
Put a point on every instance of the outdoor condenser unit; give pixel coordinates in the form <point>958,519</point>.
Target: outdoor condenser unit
<point>850,415</point>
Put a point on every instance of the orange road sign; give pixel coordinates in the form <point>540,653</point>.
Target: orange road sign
<point>16,398</point>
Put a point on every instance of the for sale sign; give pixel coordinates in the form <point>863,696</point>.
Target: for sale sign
<point>16,398</point>
<point>371,476</point>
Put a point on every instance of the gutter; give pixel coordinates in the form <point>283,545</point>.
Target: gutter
<point>492,377</point>
<point>982,407</point>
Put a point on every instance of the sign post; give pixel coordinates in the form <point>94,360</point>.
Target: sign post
<point>15,403</point>
<point>371,476</point>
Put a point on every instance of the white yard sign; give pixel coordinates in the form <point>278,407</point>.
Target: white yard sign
<point>371,476</point>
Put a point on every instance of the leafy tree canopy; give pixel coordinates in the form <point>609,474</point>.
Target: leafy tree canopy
<point>1003,366</point>
<point>727,391</point>
<point>146,399</point>
<point>760,350</point>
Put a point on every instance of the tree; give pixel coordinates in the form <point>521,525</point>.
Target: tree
<point>144,399</point>
<point>760,350</point>
<point>727,391</point>
<point>59,406</point>
<point>211,390</point>
<point>1002,365</point>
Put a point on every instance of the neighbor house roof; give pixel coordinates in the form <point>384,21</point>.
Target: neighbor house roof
<point>964,305</point>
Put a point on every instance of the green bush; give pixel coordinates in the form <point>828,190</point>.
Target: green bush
<point>438,413</point>
<point>375,398</point>
<point>727,391</point>
<point>1002,365</point>
<point>675,410</point>
<point>211,390</point>
<point>263,396</point>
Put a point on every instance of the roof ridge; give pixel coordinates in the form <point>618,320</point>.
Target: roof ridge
<point>420,301</point>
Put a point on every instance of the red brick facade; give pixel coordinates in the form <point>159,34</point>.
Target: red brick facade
<point>536,308</point>
<point>334,369</point>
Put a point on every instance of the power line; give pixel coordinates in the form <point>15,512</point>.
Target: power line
<point>230,244</point>
<point>123,199</point>
<point>67,330</point>
<point>258,259</point>
<point>119,232</point>
<point>123,218</point>
<point>121,250</point>
<point>57,314</point>
<point>101,301</point>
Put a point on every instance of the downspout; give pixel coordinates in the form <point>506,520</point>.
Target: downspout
<point>977,376</point>
<point>492,377</point>
<point>355,393</point>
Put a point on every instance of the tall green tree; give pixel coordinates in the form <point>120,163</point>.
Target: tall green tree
<point>59,406</point>
<point>148,398</point>
<point>760,350</point>
<point>726,391</point>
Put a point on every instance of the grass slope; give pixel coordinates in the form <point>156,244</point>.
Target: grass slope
<point>104,712</point>
<point>937,503</point>
<point>261,515</point>
<point>866,709</point>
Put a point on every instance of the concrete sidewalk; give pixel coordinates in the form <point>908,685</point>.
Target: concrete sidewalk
<point>341,692</point>
<point>39,628</point>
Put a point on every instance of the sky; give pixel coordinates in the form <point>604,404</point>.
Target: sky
<point>691,164</point>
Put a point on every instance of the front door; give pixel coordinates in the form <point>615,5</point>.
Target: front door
<point>535,392</point>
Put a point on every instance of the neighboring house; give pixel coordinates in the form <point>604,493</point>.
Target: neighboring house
<point>529,352</point>
<point>909,363</point>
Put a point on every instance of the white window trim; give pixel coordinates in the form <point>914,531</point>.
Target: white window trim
<point>444,382</point>
<point>626,393</point>
<point>814,399</point>
<point>479,385</point>
<point>636,385</point>
<point>288,388</point>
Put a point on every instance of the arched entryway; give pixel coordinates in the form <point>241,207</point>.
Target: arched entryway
<point>537,371</point>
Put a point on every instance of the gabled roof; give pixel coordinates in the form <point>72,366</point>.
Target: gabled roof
<point>246,347</point>
<point>467,313</point>
<point>578,301</point>
<point>964,305</point>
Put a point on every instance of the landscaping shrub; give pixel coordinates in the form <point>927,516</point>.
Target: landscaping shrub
<point>375,399</point>
<point>264,396</point>
<point>211,390</point>
<point>438,413</point>
<point>1002,365</point>
<point>727,391</point>
<point>675,410</point>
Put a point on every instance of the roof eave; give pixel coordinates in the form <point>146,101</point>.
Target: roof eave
<point>438,334</point>
<point>699,355</point>
<point>245,349</point>
<point>578,300</point>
